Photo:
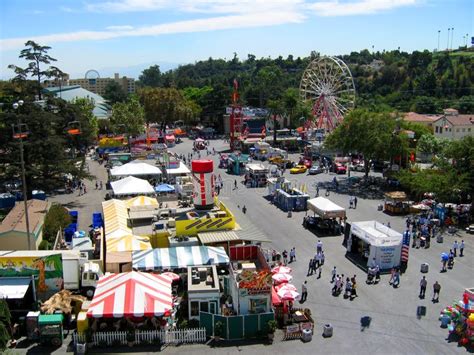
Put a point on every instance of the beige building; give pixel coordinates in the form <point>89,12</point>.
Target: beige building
<point>13,235</point>
<point>95,85</point>
<point>452,125</point>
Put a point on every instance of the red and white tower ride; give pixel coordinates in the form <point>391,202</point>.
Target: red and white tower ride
<point>203,181</point>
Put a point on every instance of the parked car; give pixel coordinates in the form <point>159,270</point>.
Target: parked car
<point>298,169</point>
<point>315,169</point>
<point>358,167</point>
<point>339,168</point>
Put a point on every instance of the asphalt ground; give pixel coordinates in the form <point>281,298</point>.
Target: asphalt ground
<point>395,327</point>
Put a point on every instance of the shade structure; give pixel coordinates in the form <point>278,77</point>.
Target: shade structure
<point>131,294</point>
<point>142,201</point>
<point>326,208</point>
<point>281,270</point>
<point>178,257</point>
<point>286,287</point>
<point>181,169</point>
<point>276,300</point>
<point>115,219</point>
<point>164,188</point>
<point>287,295</point>
<point>171,275</point>
<point>135,169</point>
<point>281,278</point>
<point>128,243</point>
<point>132,186</point>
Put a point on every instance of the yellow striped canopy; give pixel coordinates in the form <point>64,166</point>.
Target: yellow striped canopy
<point>142,201</point>
<point>128,243</point>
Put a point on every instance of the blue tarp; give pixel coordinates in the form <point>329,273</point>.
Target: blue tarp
<point>164,188</point>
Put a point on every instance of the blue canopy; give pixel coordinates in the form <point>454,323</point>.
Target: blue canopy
<point>164,188</point>
<point>178,257</point>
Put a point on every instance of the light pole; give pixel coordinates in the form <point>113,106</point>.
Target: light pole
<point>19,133</point>
<point>452,34</point>
<point>439,34</point>
<point>447,46</point>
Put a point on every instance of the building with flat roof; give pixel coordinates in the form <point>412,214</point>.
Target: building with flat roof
<point>13,234</point>
<point>203,290</point>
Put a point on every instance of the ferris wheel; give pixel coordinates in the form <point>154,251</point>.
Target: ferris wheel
<point>327,84</point>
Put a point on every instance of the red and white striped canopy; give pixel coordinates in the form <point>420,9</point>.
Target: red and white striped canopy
<point>131,294</point>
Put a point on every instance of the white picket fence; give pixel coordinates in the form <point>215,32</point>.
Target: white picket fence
<point>180,336</point>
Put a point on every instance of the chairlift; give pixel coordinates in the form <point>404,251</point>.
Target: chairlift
<point>74,128</point>
<point>20,131</point>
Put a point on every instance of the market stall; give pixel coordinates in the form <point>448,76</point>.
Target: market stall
<point>135,168</point>
<point>132,186</point>
<point>256,175</point>
<point>396,202</point>
<point>178,257</point>
<point>375,244</point>
<point>326,215</point>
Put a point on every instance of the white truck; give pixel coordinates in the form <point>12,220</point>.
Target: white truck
<point>184,187</point>
<point>79,273</point>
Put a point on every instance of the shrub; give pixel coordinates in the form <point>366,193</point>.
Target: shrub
<point>56,218</point>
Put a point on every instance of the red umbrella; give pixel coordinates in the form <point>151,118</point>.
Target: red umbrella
<point>281,278</point>
<point>275,298</point>
<point>286,287</point>
<point>281,270</point>
<point>288,295</point>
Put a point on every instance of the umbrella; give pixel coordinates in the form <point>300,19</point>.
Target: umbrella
<point>281,270</point>
<point>444,256</point>
<point>171,275</point>
<point>281,278</point>
<point>164,188</point>
<point>286,287</point>
<point>287,295</point>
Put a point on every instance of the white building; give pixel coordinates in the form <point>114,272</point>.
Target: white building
<point>452,125</point>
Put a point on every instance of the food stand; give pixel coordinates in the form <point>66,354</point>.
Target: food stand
<point>325,216</point>
<point>376,243</point>
<point>256,175</point>
<point>396,203</point>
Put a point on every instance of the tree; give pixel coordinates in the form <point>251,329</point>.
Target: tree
<point>166,105</point>
<point>372,134</point>
<point>56,218</point>
<point>151,77</point>
<point>114,93</point>
<point>5,324</point>
<point>36,55</point>
<point>130,114</point>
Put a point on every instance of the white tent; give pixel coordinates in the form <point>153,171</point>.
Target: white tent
<point>135,169</point>
<point>385,244</point>
<point>182,169</point>
<point>132,186</point>
<point>326,208</point>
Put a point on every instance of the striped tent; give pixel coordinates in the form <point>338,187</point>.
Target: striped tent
<point>131,294</point>
<point>128,243</point>
<point>115,219</point>
<point>178,257</point>
<point>141,201</point>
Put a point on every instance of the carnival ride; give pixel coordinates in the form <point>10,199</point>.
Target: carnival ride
<point>327,84</point>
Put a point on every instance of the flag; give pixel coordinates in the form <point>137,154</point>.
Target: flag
<point>405,246</point>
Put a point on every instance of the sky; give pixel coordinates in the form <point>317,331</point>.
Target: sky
<point>127,36</point>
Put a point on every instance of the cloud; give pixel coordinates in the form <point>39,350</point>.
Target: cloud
<point>119,28</point>
<point>248,20</point>
<point>359,7</point>
<point>66,9</point>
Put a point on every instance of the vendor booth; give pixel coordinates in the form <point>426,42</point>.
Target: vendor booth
<point>275,183</point>
<point>135,168</point>
<point>178,257</point>
<point>132,186</point>
<point>375,244</point>
<point>256,175</point>
<point>291,199</point>
<point>236,163</point>
<point>396,202</point>
<point>325,216</point>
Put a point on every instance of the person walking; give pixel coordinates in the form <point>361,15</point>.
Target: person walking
<point>355,202</point>
<point>235,184</point>
<point>455,248</point>
<point>461,248</point>
<point>396,279</point>
<point>317,191</point>
<point>333,274</point>
<point>304,292</point>
<point>350,202</point>
<point>285,257</point>
<point>315,266</point>
<point>436,290</point>
<point>323,257</point>
<point>310,267</point>
<point>354,287</point>
<point>319,246</point>
<point>320,270</point>
<point>101,185</point>
<point>96,184</point>
<point>292,254</point>
<point>423,284</point>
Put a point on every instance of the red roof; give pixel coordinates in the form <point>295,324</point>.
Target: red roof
<point>461,120</point>
<point>416,117</point>
<point>131,294</point>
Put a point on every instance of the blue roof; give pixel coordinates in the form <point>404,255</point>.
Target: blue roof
<point>73,92</point>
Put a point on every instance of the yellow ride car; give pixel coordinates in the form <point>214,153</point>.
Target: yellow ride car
<point>299,169</point>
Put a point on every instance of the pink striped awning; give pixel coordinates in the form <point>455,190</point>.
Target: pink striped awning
<point>131,294</point>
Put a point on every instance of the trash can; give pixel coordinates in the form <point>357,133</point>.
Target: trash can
<point>327,330</point>
<point>307,335</point>
<point>439,238</point>
<point>380,207</point>
<point>424,268</point>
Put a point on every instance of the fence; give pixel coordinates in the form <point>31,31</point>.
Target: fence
<point>180,336</point>
<point>237,327</point>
